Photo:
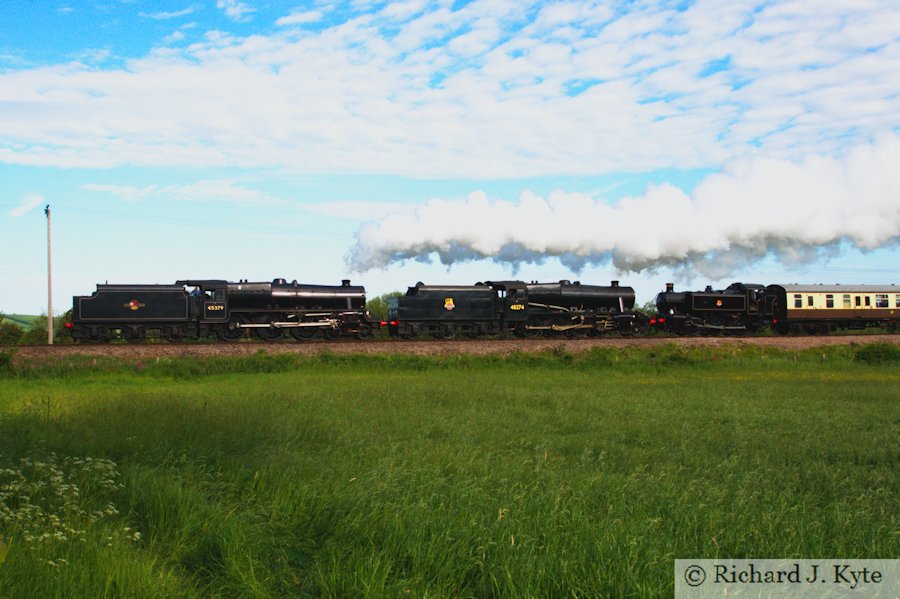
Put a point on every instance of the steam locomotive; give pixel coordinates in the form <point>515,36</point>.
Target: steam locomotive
<point>230,311</point>
<point>515,307</point>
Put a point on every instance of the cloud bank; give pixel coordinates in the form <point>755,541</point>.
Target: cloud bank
<point>483,89</point>
<point>29,203</point>
<point>756,207</point>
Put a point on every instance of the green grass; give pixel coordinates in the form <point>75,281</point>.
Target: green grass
<point>532,475</point>
<point>23,320</point>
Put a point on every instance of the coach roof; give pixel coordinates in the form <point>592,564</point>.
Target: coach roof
<point>839,288</point>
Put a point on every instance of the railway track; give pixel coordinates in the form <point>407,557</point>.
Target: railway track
<point>37,353</point>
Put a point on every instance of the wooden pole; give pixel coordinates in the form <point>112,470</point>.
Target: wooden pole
<point>49,282</point>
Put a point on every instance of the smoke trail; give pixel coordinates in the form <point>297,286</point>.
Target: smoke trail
<point>796,212</point>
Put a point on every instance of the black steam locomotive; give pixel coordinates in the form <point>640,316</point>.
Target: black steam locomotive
<point>206,307</point>
<point>516,307</point>
<point>738,308</point>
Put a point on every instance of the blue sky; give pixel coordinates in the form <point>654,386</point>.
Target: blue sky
<point>395,142</point>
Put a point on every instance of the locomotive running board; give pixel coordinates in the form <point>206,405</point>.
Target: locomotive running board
<point>717,327</point>
<point>560,327</point>
<point>287,325</point>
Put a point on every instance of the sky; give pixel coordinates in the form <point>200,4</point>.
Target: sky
<point>695,142</point>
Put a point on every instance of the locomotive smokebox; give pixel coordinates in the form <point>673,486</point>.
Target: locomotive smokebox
<point>670,301</point>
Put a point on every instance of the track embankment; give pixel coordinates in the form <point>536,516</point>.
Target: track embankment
<point>39,353</point>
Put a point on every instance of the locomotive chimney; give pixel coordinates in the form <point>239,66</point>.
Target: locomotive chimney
<point>670,287</point>
<point>614,283</point>
<point>709,289</point>
<point>345,282</point>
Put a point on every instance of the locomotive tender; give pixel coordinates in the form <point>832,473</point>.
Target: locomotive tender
<point>198,308</point>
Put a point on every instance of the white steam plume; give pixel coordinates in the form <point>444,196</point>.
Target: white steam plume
<point>797,212</point>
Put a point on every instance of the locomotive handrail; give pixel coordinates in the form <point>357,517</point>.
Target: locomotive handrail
<point>548,306</point>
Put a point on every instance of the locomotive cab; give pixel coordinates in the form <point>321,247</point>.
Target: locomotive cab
<point>511,300</point>
<point>209,299</point>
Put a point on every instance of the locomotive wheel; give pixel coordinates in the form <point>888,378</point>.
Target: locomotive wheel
<point>270,334</point>
<point>524,332</point>
<point>331,334</point>
<point>230,332</point>
<point>304,333</point>
<point>133,334</point>
<point>98,335</point>
<point>447,331</point>
<point>410,332</point>
<point>364,332</point>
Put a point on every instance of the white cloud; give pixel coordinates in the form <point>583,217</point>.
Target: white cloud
<point>29,203</point>
<point>300,18</point>
<point>175,36</point>
<point>162,15</point>
<point>758,207</point>
<point>212,190</point>
<point>235,9</point>
<point>417,89</point>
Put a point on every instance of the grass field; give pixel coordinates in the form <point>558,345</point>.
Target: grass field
<point>22,320</point>
<point>389,476</point>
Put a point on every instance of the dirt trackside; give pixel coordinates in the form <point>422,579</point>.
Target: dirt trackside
<point>40,353</point>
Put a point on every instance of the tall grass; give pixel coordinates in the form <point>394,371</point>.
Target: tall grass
<point>528,475</point>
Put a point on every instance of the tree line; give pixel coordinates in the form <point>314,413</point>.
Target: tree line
<point>13,334</point>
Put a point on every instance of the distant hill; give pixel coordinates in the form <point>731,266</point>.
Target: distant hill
<point>23,320</point>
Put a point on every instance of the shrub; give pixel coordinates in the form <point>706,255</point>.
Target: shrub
<point>879,353</point>
<point>6,365</point>
<point>37,334</point>
<point>10,333</point>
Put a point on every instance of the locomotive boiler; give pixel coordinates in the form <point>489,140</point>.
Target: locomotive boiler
<point>273,309</point>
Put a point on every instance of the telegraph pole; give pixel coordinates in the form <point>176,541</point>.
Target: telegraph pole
<point>49,282</point>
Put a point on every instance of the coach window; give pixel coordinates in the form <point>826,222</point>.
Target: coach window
<point>868,301</point>
<point>897,302</point>
<point>829,301</point>
<point>798,300</point>
<point>846,300</point>
<point>858,304</point>
<point>881,300</point>
<point>809,301</point>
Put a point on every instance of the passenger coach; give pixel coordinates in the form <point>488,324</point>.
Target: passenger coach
<point>824,308</point>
